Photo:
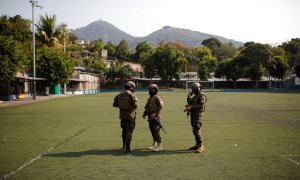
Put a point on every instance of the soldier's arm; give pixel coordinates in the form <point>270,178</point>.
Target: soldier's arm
<point>159,102</point>
<point>146,110</point>
<point>135,103</point>
<point>116,102</point>
<point>188,98</point>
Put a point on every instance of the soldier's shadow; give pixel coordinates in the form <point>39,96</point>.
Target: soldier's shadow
<point>115,152</point>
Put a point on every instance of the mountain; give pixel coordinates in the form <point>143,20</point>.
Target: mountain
<point>102,30</point>
<point>108,32</point>
<point>185,36</point>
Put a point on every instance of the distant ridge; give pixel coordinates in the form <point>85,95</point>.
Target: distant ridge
<point>102,30</point>
<point>108,32</point>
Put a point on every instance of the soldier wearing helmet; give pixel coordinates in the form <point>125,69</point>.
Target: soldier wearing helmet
<point>152,110</point>
<point>196,105</point>
<point>127,103</point>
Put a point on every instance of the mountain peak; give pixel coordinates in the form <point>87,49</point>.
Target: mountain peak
<point>166,27</point>
<point>109,33</point>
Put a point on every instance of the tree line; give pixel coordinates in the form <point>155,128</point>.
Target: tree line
<point>166,60</point>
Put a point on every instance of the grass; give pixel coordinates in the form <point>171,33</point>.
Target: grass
<point>246,136</point>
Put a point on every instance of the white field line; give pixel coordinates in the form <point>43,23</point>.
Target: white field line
<point>288,157</point>
<point>44,153</point>
<point>27,164</point>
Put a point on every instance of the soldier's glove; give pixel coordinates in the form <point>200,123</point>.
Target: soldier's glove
<point>187,108</point>
<point>144,115</point>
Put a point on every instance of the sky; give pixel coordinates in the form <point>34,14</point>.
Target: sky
<point>263,21</point>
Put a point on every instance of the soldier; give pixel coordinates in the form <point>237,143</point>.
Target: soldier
<point>127,103</point>
<point>152,110</point>
<point>196,106</point>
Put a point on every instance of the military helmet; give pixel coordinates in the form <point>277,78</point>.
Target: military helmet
<point>196,86</point>
<point>153,86</point>
<point>130,84</point>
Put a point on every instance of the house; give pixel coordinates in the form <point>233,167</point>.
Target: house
<point>22,86</point>
<point>83,82</point>
<point>77,54</point>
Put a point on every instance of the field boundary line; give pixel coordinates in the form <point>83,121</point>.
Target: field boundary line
<point>44,153</point>
<point>288,157</point>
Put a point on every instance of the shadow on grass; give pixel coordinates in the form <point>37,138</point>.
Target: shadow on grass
<point>116,152</point>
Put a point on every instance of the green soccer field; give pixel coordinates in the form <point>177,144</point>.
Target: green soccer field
<point>246,136</point>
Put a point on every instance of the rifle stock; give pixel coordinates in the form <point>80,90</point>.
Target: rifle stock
<point>159,124</point>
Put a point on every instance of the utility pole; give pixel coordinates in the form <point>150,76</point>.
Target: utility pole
<point>34,4</point>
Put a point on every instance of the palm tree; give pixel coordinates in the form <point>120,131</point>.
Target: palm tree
<point>48,33</point>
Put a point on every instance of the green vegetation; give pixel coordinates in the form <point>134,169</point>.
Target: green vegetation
<point>246,135</point>
<point>54,65</point>
<point>12,57</point>
<point>169,63</point>
<point>48,33</point>
<point>166,59</point>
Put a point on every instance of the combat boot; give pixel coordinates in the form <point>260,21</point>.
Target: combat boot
<point>154,144</point>
<point>158,147</point>
<point>200,149</point>
<point>128,149</point>
<point>195,147</point>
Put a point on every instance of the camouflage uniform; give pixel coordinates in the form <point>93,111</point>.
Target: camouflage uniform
<point>127,103</point>
<point>152,110</point>
<point>196,108</point>
<point>153,107</point>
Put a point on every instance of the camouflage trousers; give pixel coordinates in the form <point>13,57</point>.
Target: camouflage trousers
<point>196,122</point>
<point>127,130</point>
<point>154,128</point>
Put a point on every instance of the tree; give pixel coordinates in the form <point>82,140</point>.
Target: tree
<point>236,69</point>
<point>118,73</point>
<point>96,46</point>
<point>212,43</point>
<point>54,65</point>
<point>207,65</point>
<point>277,51</point>
<point>233,69</point>
<point>278,67</point>
<point>203,71</point>
<point>225,51</point>
<point>148,63</point>
<point>143,48</point>
<point>257,56</point>
<point>221,70</point>
<point>48,32</point>
<point>169,62</point>
<point>12,58</point>
<point>194,55</point>
<point>17,27</point>
<point>95,66</point>
<point>143,55</point>
<point>122,50</point>
<point>292,49</point>
<point>73,37</point>
<point>111,50</point>
<point>98,66</point>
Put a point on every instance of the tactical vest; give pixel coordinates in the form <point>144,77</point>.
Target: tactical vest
<point>151,104</point>
<point>125,101</point>
<point>152,107</point>
<point>195,100</point>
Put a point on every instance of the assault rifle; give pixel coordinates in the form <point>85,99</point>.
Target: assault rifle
<point>187,112</point>
<point>188,104</point>
<point>159,124</point>
<point>146,112</point>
